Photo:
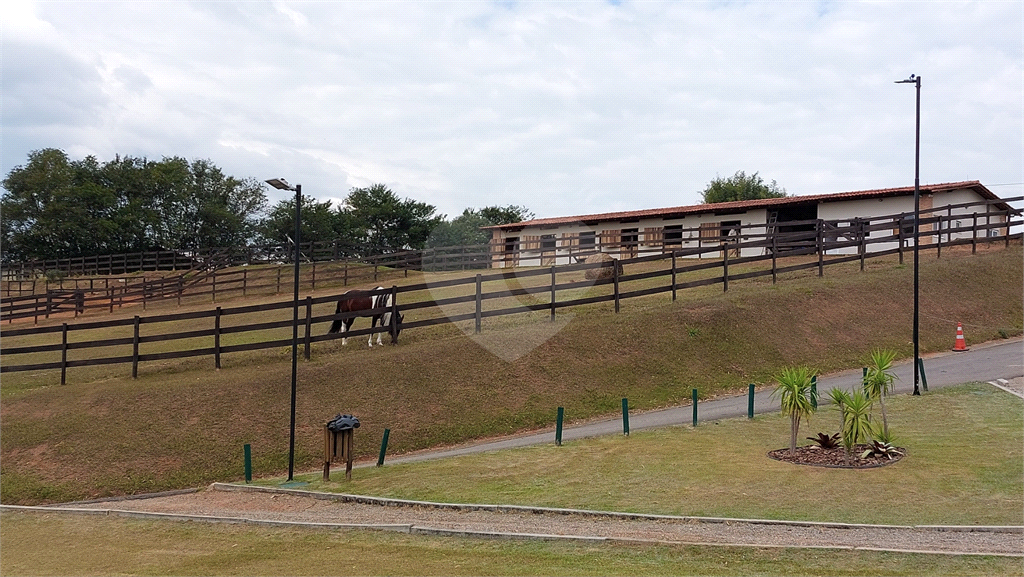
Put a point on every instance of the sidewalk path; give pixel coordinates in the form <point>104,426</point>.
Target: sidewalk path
<point>985,362</point>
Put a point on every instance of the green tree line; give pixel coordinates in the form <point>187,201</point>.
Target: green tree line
<point>56,207</point>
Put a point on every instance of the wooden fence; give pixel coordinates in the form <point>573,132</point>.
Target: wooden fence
<point>460,299</point>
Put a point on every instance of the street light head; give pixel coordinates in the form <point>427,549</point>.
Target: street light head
<point>912,80</point>
<point>280,184</point>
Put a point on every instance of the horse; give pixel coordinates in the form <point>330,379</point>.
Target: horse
<point>357,301</point>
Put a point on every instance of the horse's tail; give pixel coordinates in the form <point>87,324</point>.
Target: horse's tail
<point>336,325</point>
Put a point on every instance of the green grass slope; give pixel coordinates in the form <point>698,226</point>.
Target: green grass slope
<point>185,426</point>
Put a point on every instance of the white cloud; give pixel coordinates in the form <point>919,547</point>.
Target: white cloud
<point>563,107</point>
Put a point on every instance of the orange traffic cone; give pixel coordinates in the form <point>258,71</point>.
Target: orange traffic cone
<point>961,343</point>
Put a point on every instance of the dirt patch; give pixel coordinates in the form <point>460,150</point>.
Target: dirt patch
<point>819,457</point>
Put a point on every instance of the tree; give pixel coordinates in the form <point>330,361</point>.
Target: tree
<point>796,397</point>
<point>318,222</point>
<point>466,229</point>
<point>740,187</point>
<point>54,207</point>
<point>505,214</point>
<point>389,223</point>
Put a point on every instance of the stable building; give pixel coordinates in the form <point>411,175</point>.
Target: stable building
<point>948,212</point>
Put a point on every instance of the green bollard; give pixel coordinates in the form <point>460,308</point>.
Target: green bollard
<point>750,401</point>
<point>625,417</point>
<point>694,407</point>
<point>248,463</point>
<point>558,426</point>
<point>383,447</point>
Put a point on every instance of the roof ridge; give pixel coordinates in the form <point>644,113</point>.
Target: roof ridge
<point>704,207</point>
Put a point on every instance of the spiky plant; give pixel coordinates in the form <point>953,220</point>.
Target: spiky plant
<point>795,394</point>
<point>880,379</point>
<point>826,441</point>
<point>855,411</point>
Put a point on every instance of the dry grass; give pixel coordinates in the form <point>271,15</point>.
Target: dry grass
<point>182,424</point>
<point>67,545</point>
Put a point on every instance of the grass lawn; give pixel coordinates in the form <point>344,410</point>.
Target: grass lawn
<point>963,467</point>
<point>35,544</point>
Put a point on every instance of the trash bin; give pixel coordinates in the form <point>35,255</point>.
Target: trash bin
<point>338,433</point>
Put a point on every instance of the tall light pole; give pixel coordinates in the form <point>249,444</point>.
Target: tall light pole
<point>916,80</point>
<point>282,184</point>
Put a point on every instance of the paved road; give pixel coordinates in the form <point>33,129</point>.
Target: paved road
<point>986,362</point>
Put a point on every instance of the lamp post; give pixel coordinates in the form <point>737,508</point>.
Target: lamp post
<point>282,184</point>
<point>916,80</point>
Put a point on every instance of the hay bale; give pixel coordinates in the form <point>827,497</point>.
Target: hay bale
<point>605,271</point>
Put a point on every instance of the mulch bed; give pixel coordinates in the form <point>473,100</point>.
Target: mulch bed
<point>816,456</point>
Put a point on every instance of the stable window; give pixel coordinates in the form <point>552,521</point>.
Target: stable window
<point>587,240</point>
<point>673,234</point>
<point>547,242</point>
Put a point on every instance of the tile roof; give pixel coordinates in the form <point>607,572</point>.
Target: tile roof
<point>742,205</point>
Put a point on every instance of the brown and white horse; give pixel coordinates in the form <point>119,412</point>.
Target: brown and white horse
<point>360,301</point>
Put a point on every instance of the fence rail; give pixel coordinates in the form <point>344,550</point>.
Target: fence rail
<point>452,300</point>
<point>941,227</point>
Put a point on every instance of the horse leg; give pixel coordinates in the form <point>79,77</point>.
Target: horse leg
<point>379,320</point>
<point>345,326</point>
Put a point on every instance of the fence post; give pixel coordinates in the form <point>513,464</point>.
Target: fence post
<point>673,276</point>
<point>479,302</point>
<point>309,324</point>
<point>899,236</point>
<point>278,279</point>
<point>214,286</point>
<point>383,447</point>
<point>775,253</point>
<point>394,315</point>
<point>135,349</point>
<point>694,396</point>
<point>863,238</point>
<point>245,278</point>
<point>725,268</point>
<point>63,353</point>
<point>312,281</point>
<point>552,293</point>
<point>49,302</point>
<point>625,416</point>
<point>750,401</point>
<point>216,339</point>
<point>974,235</point>
<point>615,278</point>
<point>820,241</point>
<point>558,426</point>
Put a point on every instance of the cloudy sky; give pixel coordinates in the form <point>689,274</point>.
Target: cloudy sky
<point>564,107</point>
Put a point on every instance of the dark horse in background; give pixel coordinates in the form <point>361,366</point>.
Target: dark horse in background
<point>360,301</point>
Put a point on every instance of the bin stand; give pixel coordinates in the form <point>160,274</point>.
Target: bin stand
<point>335,442</point>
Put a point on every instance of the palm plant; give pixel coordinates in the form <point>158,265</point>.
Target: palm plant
<point>855,411</point>
<point>879,380</point>
<point>796,397</point>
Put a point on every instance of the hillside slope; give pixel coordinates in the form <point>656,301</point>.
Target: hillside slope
<point>186,428</point>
